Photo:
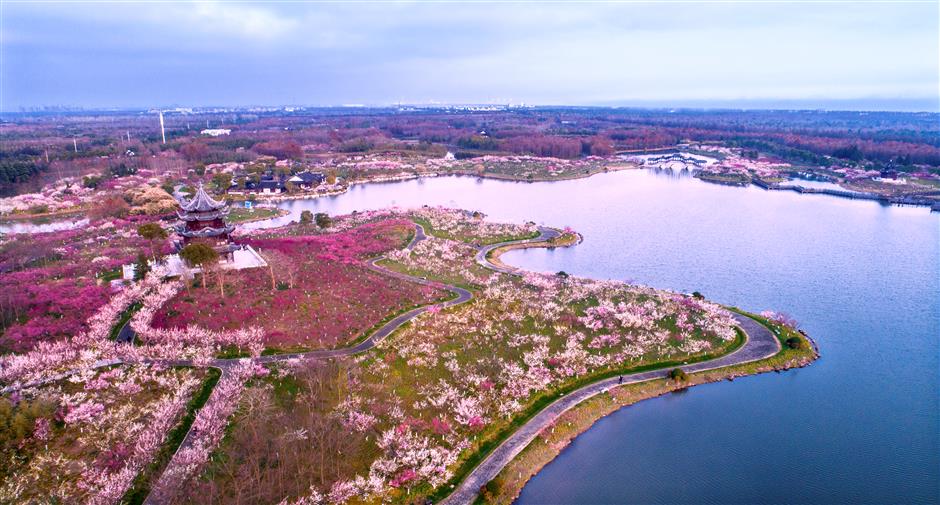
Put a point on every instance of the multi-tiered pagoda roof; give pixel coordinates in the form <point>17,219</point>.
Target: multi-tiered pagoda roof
<point>203,218</point>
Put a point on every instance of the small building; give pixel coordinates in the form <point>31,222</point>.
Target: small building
<point>270,187</point>
<point>889,173</point>
<point>307,180</point>
<point>216,132</point>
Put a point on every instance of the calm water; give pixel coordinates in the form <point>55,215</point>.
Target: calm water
<point>861,425</point>
<point>41,226</point>
<point>815,184</point>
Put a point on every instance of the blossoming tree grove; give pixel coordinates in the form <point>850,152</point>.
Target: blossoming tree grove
<point>90,419</point>
<point>439,388</point>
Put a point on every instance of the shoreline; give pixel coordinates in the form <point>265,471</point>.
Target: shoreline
<point>517,448</point>
<point>19,216</point>
<point>508,484</point>
<point>513,178</point>
<point>494,254</point>
<point>854,195</point>
<point>934,205</point>
<point>279,212</point>
<point>578,394</point>
<point>458,173</point>
<point>900,201</point>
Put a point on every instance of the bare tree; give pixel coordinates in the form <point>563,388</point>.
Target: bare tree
<point>285,267</point>
<point>283,443</point>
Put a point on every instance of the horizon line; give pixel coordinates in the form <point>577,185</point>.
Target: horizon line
<point>717,105</point>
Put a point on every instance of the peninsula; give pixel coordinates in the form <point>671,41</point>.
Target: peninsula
<point>380,336</point>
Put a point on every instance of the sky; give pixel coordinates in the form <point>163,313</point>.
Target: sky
<point>164,54</point>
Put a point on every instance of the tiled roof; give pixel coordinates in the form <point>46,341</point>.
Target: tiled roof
<point>202,202</point>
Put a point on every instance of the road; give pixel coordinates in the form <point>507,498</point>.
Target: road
<point>760,344</point>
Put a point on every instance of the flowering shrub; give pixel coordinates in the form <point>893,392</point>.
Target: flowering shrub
<point>327,295</point>
<point>99,438</point>
<point>206,431</point>
<point>470,227</point>
<point>49,286</point>
<point>472,371</point>
<point>454,378</point>
<point>63,194</point>
<point>523,166</point>
<point>193,337</point>
<point>408,412</point>
<point>733,164</point>
<point>440,258</point>
<point>781,318</point>
<point>376,164</point>
<point>82,351</point>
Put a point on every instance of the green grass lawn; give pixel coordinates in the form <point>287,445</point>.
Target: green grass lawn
<point>241,214</point>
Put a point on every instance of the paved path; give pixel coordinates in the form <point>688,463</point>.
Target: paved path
<point>462,296</point>
<point>126,335</point>
<point>760,344</point>
<point>483,252</point>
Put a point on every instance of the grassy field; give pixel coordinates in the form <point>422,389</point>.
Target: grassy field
<point>242,215</point>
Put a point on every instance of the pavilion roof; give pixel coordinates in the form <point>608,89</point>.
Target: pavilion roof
<point>201,202</point>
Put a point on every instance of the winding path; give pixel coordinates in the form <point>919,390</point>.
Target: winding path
<point>462,296</point>
<point>760,343</point>
<point>482,257</point>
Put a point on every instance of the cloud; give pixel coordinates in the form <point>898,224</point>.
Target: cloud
<point>222,52</point>
<point>235,20</point>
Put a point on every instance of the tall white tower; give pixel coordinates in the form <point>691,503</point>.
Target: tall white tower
<point>162,130</point>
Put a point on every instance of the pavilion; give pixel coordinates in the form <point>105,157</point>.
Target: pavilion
<point>203,221</point>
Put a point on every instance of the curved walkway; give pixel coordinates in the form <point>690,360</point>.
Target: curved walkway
<point>483,253</point>
<point>760,344</point>
<point>462,296</point>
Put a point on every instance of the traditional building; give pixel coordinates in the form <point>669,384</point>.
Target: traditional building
<point>203,220</point>
<point>307,180</point>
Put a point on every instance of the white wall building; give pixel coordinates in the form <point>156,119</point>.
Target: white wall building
<point>216,132</point>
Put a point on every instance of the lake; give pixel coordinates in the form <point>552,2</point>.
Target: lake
<point>41,225</point>
<point>809,184</point>
<point>863,279</point>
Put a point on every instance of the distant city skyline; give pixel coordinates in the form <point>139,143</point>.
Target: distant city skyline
<point>851,56</point>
